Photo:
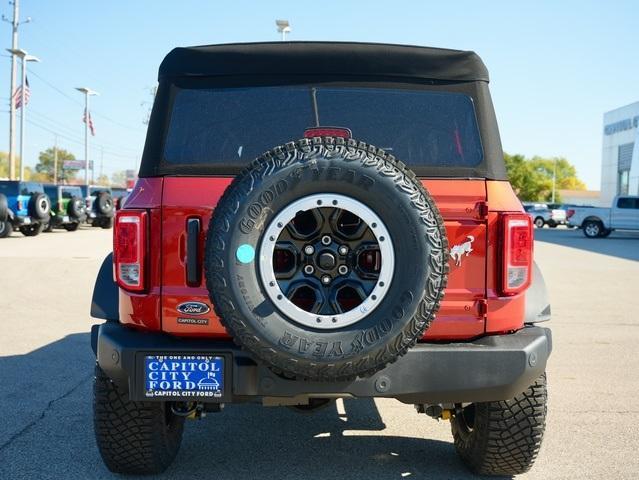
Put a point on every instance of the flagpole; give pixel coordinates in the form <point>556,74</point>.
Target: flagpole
<point>87,92</point>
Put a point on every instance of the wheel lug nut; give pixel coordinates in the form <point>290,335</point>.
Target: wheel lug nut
<point>309,250</point>
<point>326,279</point>
<point>308,269</point>
<point>326,240</point>
<point>343,250</point>
<point>342,269</point>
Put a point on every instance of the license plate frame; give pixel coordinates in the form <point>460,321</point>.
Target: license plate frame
<point>209,394</point>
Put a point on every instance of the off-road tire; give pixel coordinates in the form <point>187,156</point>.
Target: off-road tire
<point>32,230</point>
<point>104,204</point>
<point>296,170</point>
<point>40,206</point>
<point>5,229</point>
<point>106,223</point>
<point>4,208</point>
<point>76,208</point>
<point>134,438</point>
<point>505,436</point>
<point>71,227</point>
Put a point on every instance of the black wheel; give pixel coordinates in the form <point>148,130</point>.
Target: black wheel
<point>71,227</point>
<point>106,223</point>
<point>539,222</point>
<point>327,259</point>
<point>32,230</point>
<point>77,208</point>
<point>502,438</point>
<point>4,208</point>
<point>40,207</point>
<point>104,204</point>
<point>592,228</point>
<point>5,229</point>
<point>133,437</point>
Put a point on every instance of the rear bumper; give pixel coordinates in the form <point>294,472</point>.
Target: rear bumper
<point>490,368</point>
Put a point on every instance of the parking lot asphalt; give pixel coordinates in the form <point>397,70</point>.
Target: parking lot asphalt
<point>46,379</point>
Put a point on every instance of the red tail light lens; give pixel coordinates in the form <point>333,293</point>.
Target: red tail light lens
<point>129,249</point>
<point>570,212</point>
<point>20,205</point>
<point>517,253</point>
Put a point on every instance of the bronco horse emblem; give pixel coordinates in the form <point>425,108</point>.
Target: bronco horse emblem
<point>458,251</point>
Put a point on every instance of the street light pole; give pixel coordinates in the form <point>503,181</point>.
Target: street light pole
<point>283,27</point>
<point>554,178</point>
<point>24,58</point>
<point>87,93</point>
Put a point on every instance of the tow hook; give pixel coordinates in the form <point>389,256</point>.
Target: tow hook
<point>436,411</point>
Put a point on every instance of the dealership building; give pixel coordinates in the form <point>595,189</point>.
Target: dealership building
<point>620,153</point>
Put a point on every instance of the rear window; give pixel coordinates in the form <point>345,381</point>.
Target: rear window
<point>232,126</point>
<point>27,188</point>
<point>70,192</point>
<point>95,191</point>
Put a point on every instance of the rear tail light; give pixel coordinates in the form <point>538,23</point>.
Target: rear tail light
<point>129,249</point>
<point>570,212</point>
<point>517,253</point>
<point>20,205</point>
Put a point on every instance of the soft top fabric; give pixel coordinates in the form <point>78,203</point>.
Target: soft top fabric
<point>324,58</point>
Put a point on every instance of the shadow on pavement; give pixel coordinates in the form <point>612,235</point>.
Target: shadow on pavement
<point>47,432</point>
<point>618,244</point>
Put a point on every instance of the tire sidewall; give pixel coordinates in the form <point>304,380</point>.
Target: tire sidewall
<point>259,198</point>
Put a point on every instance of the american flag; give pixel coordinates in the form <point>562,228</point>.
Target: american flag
<point>17,95</point>
<point>91,127</point>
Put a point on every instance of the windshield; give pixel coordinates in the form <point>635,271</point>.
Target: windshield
<point>232,126</point>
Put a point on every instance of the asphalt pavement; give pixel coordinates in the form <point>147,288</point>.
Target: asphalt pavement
<point>46,379</point>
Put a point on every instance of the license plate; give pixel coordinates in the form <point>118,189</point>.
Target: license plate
<point>26,221</point>
<point>65,219</point>
<point>196,376</point>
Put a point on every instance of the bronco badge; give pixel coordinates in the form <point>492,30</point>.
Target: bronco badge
<point>465,248</point>
<point>193,308</point>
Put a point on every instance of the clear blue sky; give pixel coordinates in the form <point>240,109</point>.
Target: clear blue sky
<point>556,67</point>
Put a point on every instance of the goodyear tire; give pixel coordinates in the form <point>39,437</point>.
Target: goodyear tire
<point>5,229</point>
<point>40,206</point>
<point>397,274</point>
<point>4,208</point>
<point>502,438</point>
<point>133,437</point>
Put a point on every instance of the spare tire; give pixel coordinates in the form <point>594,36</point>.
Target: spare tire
<point>40,206</point>
<point>104,204</point>
<point>326,259</point>
<point>4,208</point>
<point>77,208</point>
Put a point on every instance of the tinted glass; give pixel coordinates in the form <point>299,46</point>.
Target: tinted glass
<point>94,191</point>
<point>628,203</point>
<point>68,192</point>
<point>232,126</point>
<point>27,188</point>
<point>8,188</point>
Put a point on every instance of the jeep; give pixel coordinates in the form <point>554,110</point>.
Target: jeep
<point>99,205</point>
<point>315,221</point>
<point>23,206</point>
<point>68,210</point>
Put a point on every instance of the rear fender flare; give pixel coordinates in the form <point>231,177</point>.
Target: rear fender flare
<point>105,301</point>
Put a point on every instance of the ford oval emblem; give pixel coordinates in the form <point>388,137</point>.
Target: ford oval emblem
<point>193,308</point>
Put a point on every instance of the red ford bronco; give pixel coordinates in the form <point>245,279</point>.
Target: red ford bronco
<point>315,221</point>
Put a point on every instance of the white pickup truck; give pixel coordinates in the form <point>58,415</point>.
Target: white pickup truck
<point>600,222</point>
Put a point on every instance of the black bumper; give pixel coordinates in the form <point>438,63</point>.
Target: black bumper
<point>490,368</point>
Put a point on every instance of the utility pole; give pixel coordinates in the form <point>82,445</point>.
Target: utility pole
<point>101,161</point>
<point>554,178</point>
<point>15,23</point>
<point>55,159</point>
<point>87,93</point>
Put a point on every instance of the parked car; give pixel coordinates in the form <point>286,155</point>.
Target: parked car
<point>541,214</point>
<point>314,270</point>
<point>23,206</point>
<point>601,222</point>
<point>119,196</point>
<point>100,205</point>
<point>68,209</point>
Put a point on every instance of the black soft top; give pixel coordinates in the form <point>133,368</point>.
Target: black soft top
<point>324,58</point>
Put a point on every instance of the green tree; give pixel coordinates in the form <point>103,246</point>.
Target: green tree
<point>46,161</point>
<point>103,180</point>
<point>532,178</point>
<point>4,165</point>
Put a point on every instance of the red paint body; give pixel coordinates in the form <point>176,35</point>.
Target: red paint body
<point>471,307</point>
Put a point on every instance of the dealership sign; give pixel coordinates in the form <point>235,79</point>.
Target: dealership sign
<point>75,164</point>
<point>621,126</point>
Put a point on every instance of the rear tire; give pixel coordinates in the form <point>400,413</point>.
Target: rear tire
<point>502,438</point>
<point>5,229</point>
<point>592,228</point>
<point>32,230</point>
<point>539,222</point>
<point>107,223</point>
<point>133,437</point>
<point>71,227</point>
